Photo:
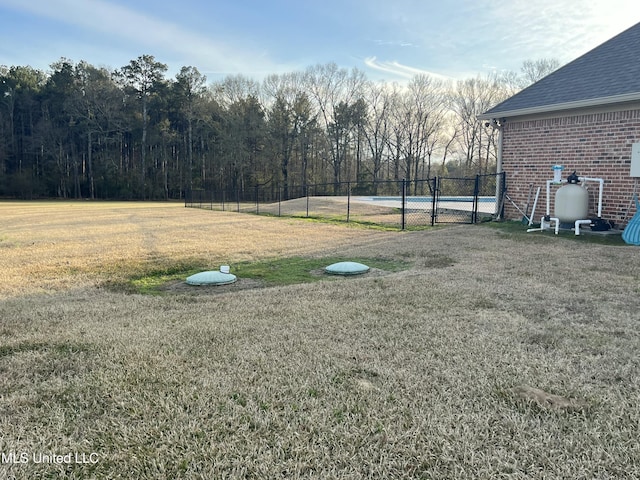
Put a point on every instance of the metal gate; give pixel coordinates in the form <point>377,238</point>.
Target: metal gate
<point>466,199</point>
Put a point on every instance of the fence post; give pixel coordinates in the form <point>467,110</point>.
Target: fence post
<point>404,200</point>
<point>306,187</point>
<point>476,192</point>
<point>348,200</point>
<point>279,199</point>
<point>434,200</point>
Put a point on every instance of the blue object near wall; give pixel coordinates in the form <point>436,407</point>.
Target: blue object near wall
<point>631,233</point>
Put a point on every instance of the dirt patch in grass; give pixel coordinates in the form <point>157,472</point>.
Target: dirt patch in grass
<point>548,400</point>
<point>182,287</point>
<point>262,273</point>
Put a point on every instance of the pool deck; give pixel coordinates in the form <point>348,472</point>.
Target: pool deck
<point>485,204</point>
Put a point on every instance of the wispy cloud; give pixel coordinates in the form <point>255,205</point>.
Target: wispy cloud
<point>129,26</point>
<point>465,36</point>
<point>402,71</point>
<point>531,29</point>
<point>394,43</point>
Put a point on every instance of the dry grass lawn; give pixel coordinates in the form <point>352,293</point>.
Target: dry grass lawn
<point>494,355</point>
<point>52,246</point>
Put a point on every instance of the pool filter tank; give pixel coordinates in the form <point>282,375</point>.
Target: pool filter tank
<point>572,201</point>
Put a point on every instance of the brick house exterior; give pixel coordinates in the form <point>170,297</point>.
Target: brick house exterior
<point>586,117</point>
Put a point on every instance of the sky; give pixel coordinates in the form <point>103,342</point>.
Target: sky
<point>390,40</point>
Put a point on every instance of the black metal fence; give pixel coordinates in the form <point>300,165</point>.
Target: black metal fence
<point>400,203</point>
<point>468,199</point>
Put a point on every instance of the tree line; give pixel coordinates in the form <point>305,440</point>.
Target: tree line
<point>80,131</point>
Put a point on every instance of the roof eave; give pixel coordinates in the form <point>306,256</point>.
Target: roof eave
<point>592,102</point>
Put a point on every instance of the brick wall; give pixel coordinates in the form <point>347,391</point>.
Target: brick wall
<point>594,144</point>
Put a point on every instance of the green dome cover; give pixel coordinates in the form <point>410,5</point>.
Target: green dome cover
<point>211,278</point>
<point>347,268</point>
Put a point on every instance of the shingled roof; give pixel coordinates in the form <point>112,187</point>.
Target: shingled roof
<point>610,73</point>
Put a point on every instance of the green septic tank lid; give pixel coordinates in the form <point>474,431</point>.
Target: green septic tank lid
<point>211,278</point>
<point>346,268</point>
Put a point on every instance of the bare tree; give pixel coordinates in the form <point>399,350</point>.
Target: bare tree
<point>378,127</point>
<point>420,118</point>
<point>476,144</point>
<point>534,70</point>
<point>333,91</point>
<point>530,72</point>
<point>235,88</point>
<point>287,86</point>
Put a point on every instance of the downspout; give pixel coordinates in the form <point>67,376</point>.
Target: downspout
<point>498,124</point>
<point>499,186</point>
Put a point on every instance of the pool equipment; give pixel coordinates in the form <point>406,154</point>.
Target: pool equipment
<point>572,201</point>
<point>346,268</point>
<point>571,204</point>
<point>557,173</point>
<point>524,215</point>
<point>631,233</point>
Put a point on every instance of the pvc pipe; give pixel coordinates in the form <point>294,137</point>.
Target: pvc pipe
<point>546,224</point>
<point>580,222</point>
<point>540,228</point>
<point>499,186</point>
<point>533,210</point>
<point>601,182</point>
